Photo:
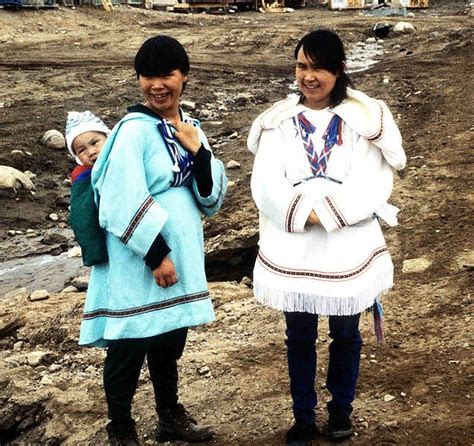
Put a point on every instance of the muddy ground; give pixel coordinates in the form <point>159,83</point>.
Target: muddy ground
<point>233,372</point>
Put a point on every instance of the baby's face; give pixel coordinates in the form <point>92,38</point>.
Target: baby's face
<point>87,146</point>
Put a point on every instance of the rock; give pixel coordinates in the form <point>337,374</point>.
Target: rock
<point>234,135</point>
<point>364,425</point>
<point>54,368</point>
<point>35,358</point>
<point>46,380</point>
<point>81,283</point>
<point>53,139</point>
<point>53,216</point>
<point>387,398</point>
<point>232,164</point>
<point>404,27</point>
<point>69,289</point>
<point>11,178</point>
<point>187,105</point>
<point>39,295</point>
<point>18,345</point>
<point>204,370</point>
<point>54,238</point>
<point>417,265</point>
<point>75,252</point>
<point>246,281</point>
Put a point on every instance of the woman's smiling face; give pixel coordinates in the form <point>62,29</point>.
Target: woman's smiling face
<point>162,93</point>
<point>314,82</point>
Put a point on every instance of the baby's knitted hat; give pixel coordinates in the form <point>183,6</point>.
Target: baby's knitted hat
<point>79,123</point>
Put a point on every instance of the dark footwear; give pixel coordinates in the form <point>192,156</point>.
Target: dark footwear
<point>176,424</point>
<point>301,434</point>
<point>339,427</point>
<point>124,435</point>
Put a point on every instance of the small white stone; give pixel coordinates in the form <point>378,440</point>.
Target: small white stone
<point>69,289</point>
<point>387,398</point>
<point>232,164</point>
<point>46,380</point>
<point>234,135</point>
<point>18,345</point>
<point>75,251</point>
<point>39,295</point>
<point>403,394</point>
<point>35,358</point>
<point>53,216</point>
<point>54,368</point>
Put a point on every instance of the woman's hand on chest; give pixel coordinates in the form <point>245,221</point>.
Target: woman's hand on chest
<point>188,137</point>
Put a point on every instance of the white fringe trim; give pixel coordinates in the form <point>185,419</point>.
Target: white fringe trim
<point>322,305</point>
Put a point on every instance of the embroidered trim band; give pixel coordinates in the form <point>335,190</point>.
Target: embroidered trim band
<point>379,134</point>
<point>340,220</point>
<point>318,275</point>
<point>290,216</point>
<point>103,312</point>
<point>136,220</point>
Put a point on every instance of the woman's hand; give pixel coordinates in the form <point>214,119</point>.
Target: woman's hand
<point>313,219</point>
<point>165,275</point>
<point>188,136</point>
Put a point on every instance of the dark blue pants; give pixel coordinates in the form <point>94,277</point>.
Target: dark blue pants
<point>122,368</point>
<point>344,359</point>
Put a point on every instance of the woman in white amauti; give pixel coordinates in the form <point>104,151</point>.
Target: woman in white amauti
<point>323,173</point>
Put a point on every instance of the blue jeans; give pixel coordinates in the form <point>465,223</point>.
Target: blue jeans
<point>344,359</point>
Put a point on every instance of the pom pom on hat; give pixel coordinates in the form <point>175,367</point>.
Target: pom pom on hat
<point>79,123</point>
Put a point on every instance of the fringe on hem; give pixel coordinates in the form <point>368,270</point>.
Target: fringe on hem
<point>322,305</point>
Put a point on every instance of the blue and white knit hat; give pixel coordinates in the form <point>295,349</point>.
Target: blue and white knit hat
<point>79,123</point>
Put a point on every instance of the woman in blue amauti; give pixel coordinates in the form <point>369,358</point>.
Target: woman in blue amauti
<point>153,180</point>
<point>323,173</point>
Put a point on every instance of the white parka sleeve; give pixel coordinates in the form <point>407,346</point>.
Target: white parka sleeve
<point>362,193</point>
<point>273,194</point>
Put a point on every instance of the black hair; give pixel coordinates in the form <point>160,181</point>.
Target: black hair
<point>324,47</point>
<point>159,56</point>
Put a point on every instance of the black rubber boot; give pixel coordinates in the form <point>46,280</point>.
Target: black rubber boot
<point>176,423</point>
<point>301,434</point>
<point>339,427</point>
<point>122,435</point>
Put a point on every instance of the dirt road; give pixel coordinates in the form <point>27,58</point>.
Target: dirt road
<point>234,372</point>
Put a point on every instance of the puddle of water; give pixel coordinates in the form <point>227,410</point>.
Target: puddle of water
<point>39,272</point>
<point>363,55</point>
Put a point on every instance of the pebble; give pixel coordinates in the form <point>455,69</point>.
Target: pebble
<point>69,289</point>
<point>18,345</point>
<point>75,251</point>
<point>363,356</point>
<point>54,368</point>
<point>403,394</point>
<point>234,135</point>
<point>35,358</point>
<point>53,216</point>
<point>39,295</point>
<point>387,398</point>
<point>232,164</point>
<point>416,265</point>
<point>204,370</point>
<point>53,139</point>
<point>81,283</point>
<point>46,380</point>
<point>188,105</point>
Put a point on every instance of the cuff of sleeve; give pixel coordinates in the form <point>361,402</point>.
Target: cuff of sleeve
<point>328,215</point>
<point>298,213</point>
<point>142,229</point>
<point>157,252</point>
<point>203,156</point>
